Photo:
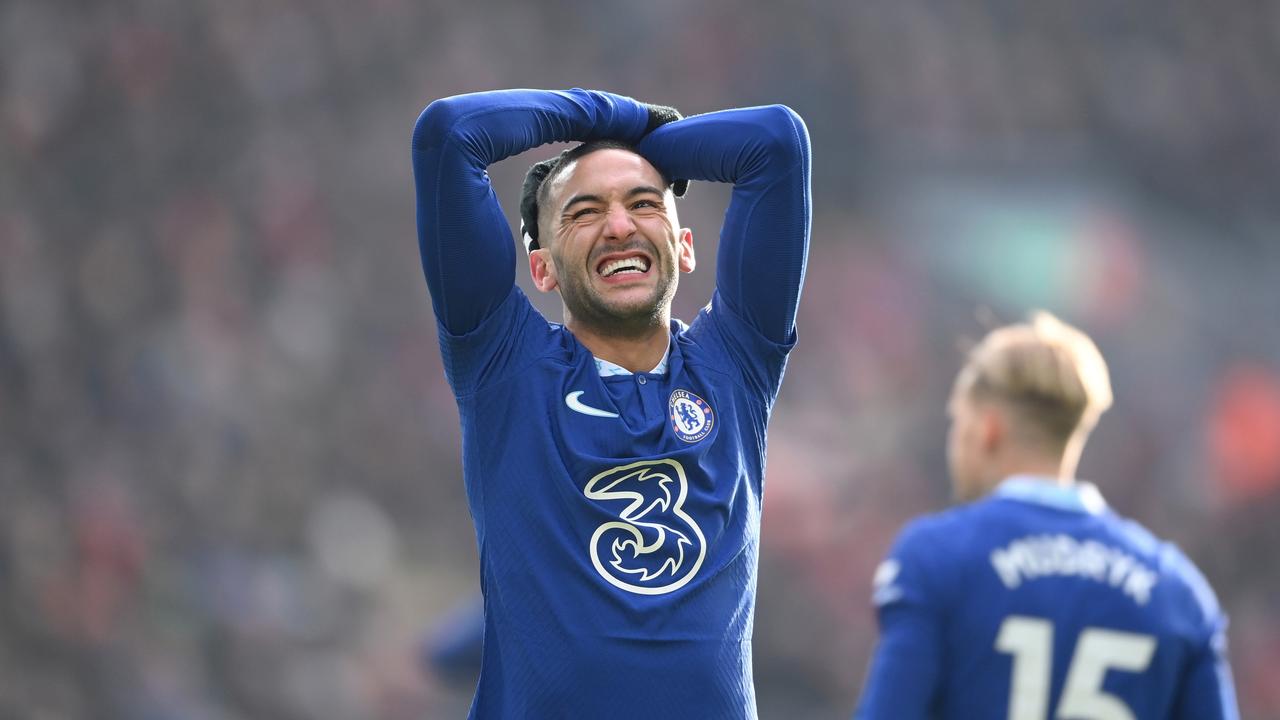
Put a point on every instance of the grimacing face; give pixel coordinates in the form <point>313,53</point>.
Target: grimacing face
<point>616,247</point>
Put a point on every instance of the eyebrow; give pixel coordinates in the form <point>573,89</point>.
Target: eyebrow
<point>637,190</point>
<point>581,198</point>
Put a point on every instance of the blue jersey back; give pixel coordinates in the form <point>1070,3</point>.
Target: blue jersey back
<point>1038,602</point>
<point>617,517</point>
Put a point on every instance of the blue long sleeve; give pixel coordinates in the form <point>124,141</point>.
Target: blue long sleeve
<point>902,680</point>
<point>764,152</point>
<point>1208,692</point>
<point>468,255</point>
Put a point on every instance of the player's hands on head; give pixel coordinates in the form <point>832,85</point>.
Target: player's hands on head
<point>660,115</point>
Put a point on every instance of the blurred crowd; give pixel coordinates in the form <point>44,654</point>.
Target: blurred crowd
<point>230,484</point>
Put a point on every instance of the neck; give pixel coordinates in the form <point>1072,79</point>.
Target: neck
<point>636,351</point>
<point>1032,464</point>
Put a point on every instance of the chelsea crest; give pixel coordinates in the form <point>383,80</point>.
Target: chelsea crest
<point>691,416</point>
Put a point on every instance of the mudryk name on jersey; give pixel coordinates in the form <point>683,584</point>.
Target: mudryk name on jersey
<point>1036,556</point>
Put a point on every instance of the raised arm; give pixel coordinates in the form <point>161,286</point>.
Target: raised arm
<point>764,152</point>
<point>467,251</point>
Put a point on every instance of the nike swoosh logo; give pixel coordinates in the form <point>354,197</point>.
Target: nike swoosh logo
<point>576,405</point>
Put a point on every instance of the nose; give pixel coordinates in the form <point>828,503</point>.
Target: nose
<point>618,223</point>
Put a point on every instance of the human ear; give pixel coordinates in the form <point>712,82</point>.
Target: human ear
<point>686,255</point>
<point>993,429</point>
<point>543,270</point>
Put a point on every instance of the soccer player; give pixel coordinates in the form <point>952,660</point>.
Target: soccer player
<point>613,463</point>
<point>1034,600</point>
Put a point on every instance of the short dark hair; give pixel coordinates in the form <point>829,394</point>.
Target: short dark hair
<point>536,182</point>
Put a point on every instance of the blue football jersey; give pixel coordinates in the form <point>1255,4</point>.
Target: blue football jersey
<point>617,516</point>
<point>1039,602</point>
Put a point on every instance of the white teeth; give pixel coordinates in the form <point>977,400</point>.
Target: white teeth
<point>631,264</point>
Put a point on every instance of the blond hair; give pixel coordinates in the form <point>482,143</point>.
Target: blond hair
<point>1048,372</point>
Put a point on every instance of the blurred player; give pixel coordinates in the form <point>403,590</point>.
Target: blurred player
<point>1035,600</point>
<point>452,649</point>
<point>613,464</point>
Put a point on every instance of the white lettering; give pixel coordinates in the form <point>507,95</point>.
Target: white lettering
<point>1006,564</point>
<point>1036,556</point>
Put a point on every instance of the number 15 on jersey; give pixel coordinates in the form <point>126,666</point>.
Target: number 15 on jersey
<point>1030,641</point>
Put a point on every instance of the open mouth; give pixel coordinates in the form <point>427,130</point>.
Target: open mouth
<point>617,267</point>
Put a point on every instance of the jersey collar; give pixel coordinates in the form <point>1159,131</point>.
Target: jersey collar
<point>1081,497</point>
<point>608,369</point>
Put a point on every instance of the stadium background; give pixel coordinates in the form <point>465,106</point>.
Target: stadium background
<point>229,467</point>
